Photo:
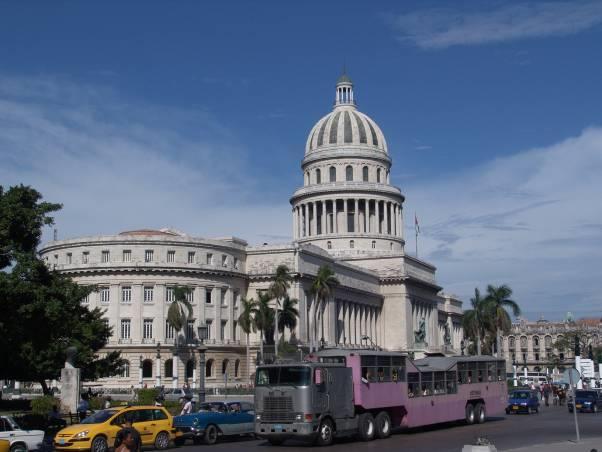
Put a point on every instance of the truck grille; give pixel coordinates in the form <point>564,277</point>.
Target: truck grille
<point>278,409</point>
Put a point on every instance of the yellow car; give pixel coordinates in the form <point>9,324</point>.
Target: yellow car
<point>4,445</point>
<point>97,432</point>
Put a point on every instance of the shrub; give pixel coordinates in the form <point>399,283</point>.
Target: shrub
<point>43,405</point>
<point>147,396</point>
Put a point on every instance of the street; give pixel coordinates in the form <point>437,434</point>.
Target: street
<point>552,424</point>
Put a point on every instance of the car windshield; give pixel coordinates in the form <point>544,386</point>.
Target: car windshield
<point>585,394</point>
<point>99,417</point>
<point>285,375</point>
<point>520,395</point>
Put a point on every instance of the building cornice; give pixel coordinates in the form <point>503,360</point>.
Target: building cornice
<point>347,189</point>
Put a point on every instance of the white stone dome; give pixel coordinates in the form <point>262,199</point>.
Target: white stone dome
<point>345,126</point>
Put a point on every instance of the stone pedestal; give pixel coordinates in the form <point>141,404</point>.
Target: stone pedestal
<point>70,390</point>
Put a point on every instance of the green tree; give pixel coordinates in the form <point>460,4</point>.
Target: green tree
<point>246,320</point>
<point>322,289</point>
<point>264,318</point>
<point>475,321</point>
<point>42,313</point>
<point>288,314</point>
<point>278,290</point>
<point>498,302</point>
<point>180,310</point>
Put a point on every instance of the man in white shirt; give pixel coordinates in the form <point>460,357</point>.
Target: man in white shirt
<point>187,408</point>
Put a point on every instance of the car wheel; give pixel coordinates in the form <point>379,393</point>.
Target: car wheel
<point>19,447</point>
<point>325,433</point>
<point>480,414</point>
<point>383,425</point>
<point>366,427</point>
<point>162,441</point>
<point>210,435</point>
<point>99,444</point>
<point>469,414</point>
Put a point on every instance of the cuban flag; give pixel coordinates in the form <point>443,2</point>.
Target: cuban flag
<point>416,225</point>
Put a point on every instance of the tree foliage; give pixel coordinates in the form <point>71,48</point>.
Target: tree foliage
<point>42,313</point>
<point>180,309</point>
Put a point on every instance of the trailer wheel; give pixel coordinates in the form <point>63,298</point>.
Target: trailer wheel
<point>480,413</point>
<point>470,416</point>
<point>366,427</point>
<point>383,425</point>
<point>325,433</point>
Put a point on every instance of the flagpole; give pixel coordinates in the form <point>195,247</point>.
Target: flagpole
<point>416,229</point>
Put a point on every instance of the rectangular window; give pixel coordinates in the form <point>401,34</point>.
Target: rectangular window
<point>148,255</point>
<point>209,323</point>
<point>85,257</point>
<point>190,296</point>
<point>236,263</point>
<point>234,325</point>
<point>148,294</point>
<point>104,295</point>
<point>536,356</point>
<point>414,384</point>
<point>126,294</point>
<point>190,330</point>
<point>224,260</point>
<point>170,331</point>
<point>86,299</point>
<point>126,328</point>
<point>209,259</point>
<point>106,322</point>
<point>223,330</point>
<point>191,255</point>
<point>69,258</point>
<point>171,256</point>
<point>208,291</point>
<point>127,256</point>
<point>147,329</point>
<point>105,257</point>
<point>169,294</point>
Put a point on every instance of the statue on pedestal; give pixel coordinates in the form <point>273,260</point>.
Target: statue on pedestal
<point>420,335</point>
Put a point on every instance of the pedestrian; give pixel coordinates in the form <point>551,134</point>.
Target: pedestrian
<point>187,408</point>
<point>128,436</point>
<point>546,394</point>
<point>107,403</point>
<point>82,408</point>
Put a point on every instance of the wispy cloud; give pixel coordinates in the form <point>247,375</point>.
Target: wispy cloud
<point>531,220</point>
<point>441,28</point>
<point>116,164</point>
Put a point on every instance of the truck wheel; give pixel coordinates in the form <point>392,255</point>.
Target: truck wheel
<point>275,441</point>
<point>470,416</point>
<point>325,433</point>
<point>383,425</point>
<point>210,435</point>
<point>366,427</point>
<point>480,413</point>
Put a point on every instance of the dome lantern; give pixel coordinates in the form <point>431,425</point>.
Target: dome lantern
<point>344,94</point>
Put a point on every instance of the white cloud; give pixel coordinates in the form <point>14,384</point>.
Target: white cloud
<point>118,165</point>
<point>441,28</point>
<point>532,220</point>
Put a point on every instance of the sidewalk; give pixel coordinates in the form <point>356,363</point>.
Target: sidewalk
<point>586,445</point>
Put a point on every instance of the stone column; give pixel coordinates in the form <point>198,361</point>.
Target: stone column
<point>366,216</point>
<point>394,219</point>
<point>345,216</point>
<point>306,219</point>
<point>356,217</point>
<point>323,222</point>
<point>314,230</point>
<point>334,216</point>
<point>386,219</point>
<point>400,220</point>
<point>175,368</point>
<point>377,215</point>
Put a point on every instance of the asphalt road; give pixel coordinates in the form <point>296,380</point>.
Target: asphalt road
<point>552,424</point>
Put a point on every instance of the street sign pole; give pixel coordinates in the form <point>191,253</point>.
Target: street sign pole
<point>571,374</point>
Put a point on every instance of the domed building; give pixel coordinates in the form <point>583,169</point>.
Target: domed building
<point>346,215</point>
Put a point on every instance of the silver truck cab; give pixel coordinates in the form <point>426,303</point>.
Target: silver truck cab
<point>303,401</point>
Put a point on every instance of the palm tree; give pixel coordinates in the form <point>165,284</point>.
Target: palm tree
<point>278,290</point>
<point>475,321</point>
<point>246,320</point>
<point>322,288</point>
<point>180,310</point>
<point>264,317</point>
<point>288,314</point>
<point>498,301</point>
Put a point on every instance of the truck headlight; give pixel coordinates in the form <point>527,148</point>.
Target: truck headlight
<point>258,417</point>
<point>298,417</point>
<point>82,434</point>
<point>524,403</point>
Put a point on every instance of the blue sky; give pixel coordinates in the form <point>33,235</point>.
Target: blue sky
<point>193,114</point>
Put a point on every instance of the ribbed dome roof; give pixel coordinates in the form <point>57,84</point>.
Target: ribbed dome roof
<point>345,126</point>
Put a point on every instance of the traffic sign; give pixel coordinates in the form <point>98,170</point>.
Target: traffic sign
<point>571,375</point>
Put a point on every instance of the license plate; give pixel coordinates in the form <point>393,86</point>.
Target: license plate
<point>61,442</point>
<point>278,427</point>
<point>514,407</point>
<point>579,406</point>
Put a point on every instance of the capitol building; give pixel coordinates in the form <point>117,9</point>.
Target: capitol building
<point>346,215</point>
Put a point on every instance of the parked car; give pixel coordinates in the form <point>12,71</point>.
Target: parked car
<point>97,432</point>
<point>19,440</point>
<point>586,400</point>
<point>216,419</point>
<point>525,401</point>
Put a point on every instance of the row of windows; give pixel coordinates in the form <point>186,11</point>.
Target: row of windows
<point>149,256</point>
<point>104,295</point>
<point>538,356</point>
<point>148,368</point>
<point>349,175</point>
<point>125,329</point>
<point>352,244</point>
<point>536,341</point>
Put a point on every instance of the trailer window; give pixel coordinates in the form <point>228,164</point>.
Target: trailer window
<point>439,383</point>
<point>501,370</point>
<point>462,373</point>
<point>289,375</point>
<point>413,384</point>
<point>333,359</point>
<point>450,382</point>
<point>426,382</point>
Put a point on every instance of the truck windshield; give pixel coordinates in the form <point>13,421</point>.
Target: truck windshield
<point>285,375</point>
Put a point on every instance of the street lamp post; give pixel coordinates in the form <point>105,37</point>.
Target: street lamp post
<point>202,335</point>
<point>140,371</point>
<point>158,379</point>
<point>514,371</point>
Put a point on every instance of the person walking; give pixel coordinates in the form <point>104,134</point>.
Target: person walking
<point>129,437</point>
<point>546,394</point>
<point>187,408</point>
<point>82,408</point>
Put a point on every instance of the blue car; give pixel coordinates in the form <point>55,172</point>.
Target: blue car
<point>215,419</point>
<point>523,401</point>
<point>586,400</point>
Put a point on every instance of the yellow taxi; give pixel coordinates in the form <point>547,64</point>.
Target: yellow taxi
<point>97,432</point>
<point>4,445</point>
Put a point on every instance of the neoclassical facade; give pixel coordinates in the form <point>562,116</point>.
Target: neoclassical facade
<point>346,215</point>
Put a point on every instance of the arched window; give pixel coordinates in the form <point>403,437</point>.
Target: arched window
<point>318,176</point>
<point>329,245</point>
<point>224,366</point>
<point>189,368</point>
<point>535,341</point>
<point>237,368</point>
<point>349,173</point>
<point>168,368</point>
<point>511,342</point>
<point>209,368</point>
<point>125,370</point>
<point>333,174</point>
<point>378,175</point>
<point>147,368</point>
<point>373,244</point>
<point>523,341</point>
<point>351,244</point>
<point>307,178</point>
<point>365,173</point>
<point>548,341</point>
